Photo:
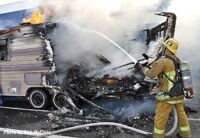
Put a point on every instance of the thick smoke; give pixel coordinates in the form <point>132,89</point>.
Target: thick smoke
<point>163,5</point>
<point>129,108</point>
<point>120,20</point>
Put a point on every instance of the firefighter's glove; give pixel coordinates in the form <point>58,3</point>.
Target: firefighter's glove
<point>155,90</point>
<point>145,70</point>
<point>138,66</point>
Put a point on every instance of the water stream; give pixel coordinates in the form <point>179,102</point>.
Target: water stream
<point>106,38</point>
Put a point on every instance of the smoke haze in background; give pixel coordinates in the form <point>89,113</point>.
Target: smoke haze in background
<point>188,34</point>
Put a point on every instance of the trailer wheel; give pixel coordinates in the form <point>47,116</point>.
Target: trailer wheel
<point>59,100</point>
<point>38,99</point>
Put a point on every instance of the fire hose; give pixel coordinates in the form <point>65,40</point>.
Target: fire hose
<point>170,132</point>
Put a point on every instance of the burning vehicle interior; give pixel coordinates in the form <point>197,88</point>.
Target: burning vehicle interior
<point>104,84</point>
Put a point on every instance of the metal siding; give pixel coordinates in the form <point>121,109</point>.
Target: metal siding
<point>22,67</point>
<point>29,51</point>
<point>26,59</point>
<point>7,77</point>
<point>25,47</point>
<point>33,78</point>
<point>23,41</point>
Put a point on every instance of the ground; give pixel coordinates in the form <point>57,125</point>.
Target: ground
<point>37,121</point>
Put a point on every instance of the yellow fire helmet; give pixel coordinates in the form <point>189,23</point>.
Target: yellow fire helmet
<point>171,44</point>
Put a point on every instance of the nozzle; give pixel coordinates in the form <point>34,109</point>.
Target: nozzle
<point>145,56</point>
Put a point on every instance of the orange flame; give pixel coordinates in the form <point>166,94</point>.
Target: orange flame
<point>36,18</point>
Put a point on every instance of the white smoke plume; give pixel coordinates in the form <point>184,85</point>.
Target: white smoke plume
<point>119,20</point>
<point>77,39</point>
<point>128,108</point>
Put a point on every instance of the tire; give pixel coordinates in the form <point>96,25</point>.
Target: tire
<point>38,99</point>
<point>59,100</point>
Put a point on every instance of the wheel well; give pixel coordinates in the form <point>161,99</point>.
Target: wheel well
<point>32,88</point>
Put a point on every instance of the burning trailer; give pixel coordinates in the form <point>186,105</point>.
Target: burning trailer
<point>104,84</point>
<point>28,69</point>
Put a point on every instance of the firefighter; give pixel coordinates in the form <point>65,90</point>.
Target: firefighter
<point>165,103</point>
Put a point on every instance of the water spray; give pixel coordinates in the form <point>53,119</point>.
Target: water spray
<point>106,38</point>
<point>114,43</point>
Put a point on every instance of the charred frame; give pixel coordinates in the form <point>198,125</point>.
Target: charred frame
<point>165,29</point>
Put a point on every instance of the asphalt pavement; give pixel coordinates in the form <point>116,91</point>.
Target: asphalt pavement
<point>26,124</point>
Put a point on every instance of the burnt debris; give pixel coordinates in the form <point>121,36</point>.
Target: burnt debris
<point>95,87</point>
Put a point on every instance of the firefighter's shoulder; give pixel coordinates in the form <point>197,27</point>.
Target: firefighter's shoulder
<point>161,63</point>
<point>160,60</point>
<point>163,60</point>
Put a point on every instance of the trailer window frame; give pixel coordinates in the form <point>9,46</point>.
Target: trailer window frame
<point>4,50</point>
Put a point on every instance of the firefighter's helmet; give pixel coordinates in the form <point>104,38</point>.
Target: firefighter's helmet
<point>171,44</point>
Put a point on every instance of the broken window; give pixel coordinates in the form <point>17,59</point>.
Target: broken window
<point>3,49</point>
